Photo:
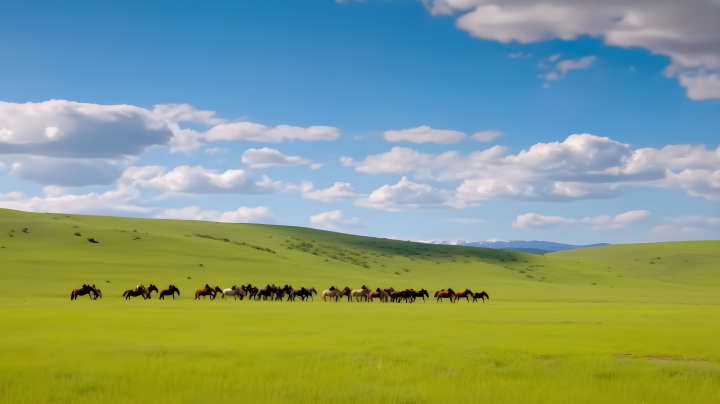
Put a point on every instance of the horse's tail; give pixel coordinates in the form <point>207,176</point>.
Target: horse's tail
<point>72,295</point>
<point>126,292</point>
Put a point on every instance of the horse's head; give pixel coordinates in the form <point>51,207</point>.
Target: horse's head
<point>176,289</point>
<point>153,287</point>
<point>377,290</point>
<point>424,292</point>
<point>450,291</point>
<point>207,286</point>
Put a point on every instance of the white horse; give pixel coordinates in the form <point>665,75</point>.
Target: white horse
<point>234,291</point>
<point>336,293</point>
<point>358,293</point>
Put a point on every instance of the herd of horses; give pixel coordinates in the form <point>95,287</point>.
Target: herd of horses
<point>272,292</point>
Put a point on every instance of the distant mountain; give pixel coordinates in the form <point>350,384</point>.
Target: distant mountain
<point>534,247</point>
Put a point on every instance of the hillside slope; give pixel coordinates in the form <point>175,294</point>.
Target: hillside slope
<point>192,253</point>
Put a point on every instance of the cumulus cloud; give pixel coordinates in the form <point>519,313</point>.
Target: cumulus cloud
<point>335,221</point>
<point>486,136</point>
<point>267,157</point>
<point>581,167</point>
<point>199,180</point>
<point>261,214</point>
<point>606,222</point>
<point>687,32</point>
<point>261,133</point>
<point>424,134</point>
<point>59,128</point>
<point>339,191</point>
<point>408,195</point>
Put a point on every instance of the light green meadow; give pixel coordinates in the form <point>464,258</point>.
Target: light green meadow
<point>618,324</point>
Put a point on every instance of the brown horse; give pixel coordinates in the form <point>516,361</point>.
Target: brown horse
<point>401,295</point>
<point>84,290</point>
<point>169,291</point>
<point>467,294</point>
<point>151,288</point>
<point>445,294</point>
<point>206,291</point>
<point>136,292</point>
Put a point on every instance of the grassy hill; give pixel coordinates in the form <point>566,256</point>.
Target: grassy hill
<point>621,323</point>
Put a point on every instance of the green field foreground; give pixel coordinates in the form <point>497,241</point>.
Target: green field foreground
<point>617,324</point>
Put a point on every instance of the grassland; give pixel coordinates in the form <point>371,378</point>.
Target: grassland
<point>622,324</point>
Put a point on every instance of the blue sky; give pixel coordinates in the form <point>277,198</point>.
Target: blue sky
<point>592,128</point>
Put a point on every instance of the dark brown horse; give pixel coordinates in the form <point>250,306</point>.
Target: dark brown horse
<point>346,292</point>
<point>169,291</point>
<point>206,291</point>
<point>84,290</point>
<point>152,288</point>
<point>422,293</point>
<point>482,295</point>
<point>401,295</point>
<point>445,294</point>
<point>136,292</point>
<point>467,294</point>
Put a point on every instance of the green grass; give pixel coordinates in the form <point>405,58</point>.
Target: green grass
<point>580,329</point>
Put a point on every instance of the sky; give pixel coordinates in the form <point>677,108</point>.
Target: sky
<point>569,121</point>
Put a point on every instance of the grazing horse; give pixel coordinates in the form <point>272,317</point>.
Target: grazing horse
<point>358,293</point>
<point>84,290</point>
<point>142,291</point>
<point>467,294</point>
<point>445,294</point>
<point>482,295</point>
<point>332,292</point>
<point>206,291</point>
<point>345,292</point>
<point>389,290</point>
<point>169,291</point>
<point>234,291</point>
<point>422,293</point>
<point>281,292</point>
<point>98,292</point>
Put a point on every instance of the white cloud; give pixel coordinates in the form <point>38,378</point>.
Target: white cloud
<point>339,191</point>
<point>261,214</point>
<point>486,136</point>
<point>316,166</point>
<point>261,133</point>
<point>685,31</point>
<point>199,180</point>
<point>408,195</point>
<point>64,171</point>
<point>701,85</point>
<point>581,167</point>
<point>606,222</point>
<point>59,128</point>
<point>334,221</point>
<point>424,134</point>
<point>397,160</point>
<point>564,66</point>
<point>11,195</point>
<point>267,157</point>
<point>186,113</point>
<point>519,55</point>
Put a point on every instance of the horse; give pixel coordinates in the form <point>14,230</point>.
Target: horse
<point>332,292</point>
<point>234,291</point>
<point>380,294</point>
<point>482,295</point>
<point>151,288</point>
<point>402,295</point>
<point>206,291</point>
<point>358,293</point>
<point>137,292</point>
<point>345,292</point>
<point>169,291</point>
<point>389,290</point>
<point>98,292</point>
<point>84,290</point>
<point>265,292</point>
<point>281,292</point>
<point>467,293</point>
<point>422,293</point>
<point>302,292</point>
<point>445,294</point>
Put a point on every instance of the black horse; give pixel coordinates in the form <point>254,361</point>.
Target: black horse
<point>422,293</point>
<point>481,295</point>
<point>302,292</point>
